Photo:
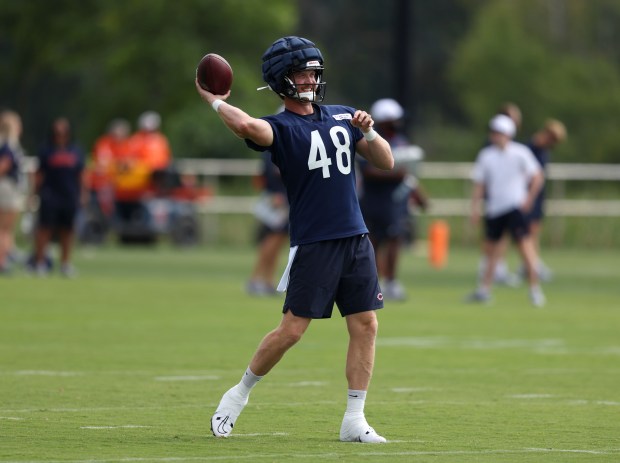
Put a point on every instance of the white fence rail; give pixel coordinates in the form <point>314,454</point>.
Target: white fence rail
<point>556,206</point>
<point>434,170</point>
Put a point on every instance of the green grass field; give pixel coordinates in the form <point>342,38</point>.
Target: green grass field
<point>126,363</point>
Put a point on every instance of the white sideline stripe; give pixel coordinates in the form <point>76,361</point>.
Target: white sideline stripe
<point>530,396</point>
<point>541,346</point>
<point>215,375</point>
<point>482,344</point>
<point>609,350</point>
<point>575,402</point>
<point>593,452</point>
<point>11,418</point>
<point>308,383</point>
<point>172,407</point>
<point>45,373</point>
<point>409,441</point>
<point>413,389</point>
<point>330,455</point>
<point>556,371</point>
<point>255,434</point>
<point>123,426</point>
<point>95,409</point>
<point>187,378</point>
<point>593,402</point>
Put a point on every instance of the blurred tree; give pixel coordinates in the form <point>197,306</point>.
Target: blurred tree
<point>394,48</point>
<point>451,62</point>
<point>549,58</point>
<point>94,61</point>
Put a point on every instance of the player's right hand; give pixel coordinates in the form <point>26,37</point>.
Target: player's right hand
<point>208,96</point>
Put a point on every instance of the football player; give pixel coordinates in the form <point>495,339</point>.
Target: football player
<point>331,258</point>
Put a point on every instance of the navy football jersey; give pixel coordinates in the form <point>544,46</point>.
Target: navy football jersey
<point>316,157</point>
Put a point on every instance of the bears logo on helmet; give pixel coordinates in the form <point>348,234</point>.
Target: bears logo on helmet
<point>288,55</point>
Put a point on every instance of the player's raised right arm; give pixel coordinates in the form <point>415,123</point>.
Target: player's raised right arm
<point>238,121</point>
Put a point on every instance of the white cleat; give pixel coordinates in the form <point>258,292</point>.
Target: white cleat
<point>229,409</point>
<point>537,298</point>
<point>393,290</point>
<point>359,431</point>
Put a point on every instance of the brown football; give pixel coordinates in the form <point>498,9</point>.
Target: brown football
<point>214,74</point>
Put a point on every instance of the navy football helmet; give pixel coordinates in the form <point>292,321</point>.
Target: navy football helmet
<point>288,55</point>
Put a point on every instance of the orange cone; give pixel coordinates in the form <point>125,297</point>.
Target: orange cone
<point>438,243</point>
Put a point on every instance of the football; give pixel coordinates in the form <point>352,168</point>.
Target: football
<point>214,74</point>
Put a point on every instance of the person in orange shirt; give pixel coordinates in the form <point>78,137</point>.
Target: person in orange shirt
<point>147,153</point>
<point>149,144</point>
<point>107,149</point>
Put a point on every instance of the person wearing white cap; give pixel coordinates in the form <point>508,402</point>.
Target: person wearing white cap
<point>384,199</point>
<point>507,177</point>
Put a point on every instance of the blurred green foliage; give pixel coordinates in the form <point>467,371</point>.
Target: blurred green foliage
<point>95,60</point>
<point>552,63</point>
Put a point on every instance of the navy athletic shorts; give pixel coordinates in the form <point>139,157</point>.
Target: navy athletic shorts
<point>538,212</point>
<point>52,215</point>
<point>514,221</point>
<point>341,271</point>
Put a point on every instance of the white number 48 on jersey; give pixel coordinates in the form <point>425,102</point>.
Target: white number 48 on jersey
<point>318,159</point>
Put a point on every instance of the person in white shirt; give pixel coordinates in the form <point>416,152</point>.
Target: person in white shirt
<point>507,177</point>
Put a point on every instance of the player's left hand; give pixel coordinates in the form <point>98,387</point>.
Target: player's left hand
<point>362,120</point>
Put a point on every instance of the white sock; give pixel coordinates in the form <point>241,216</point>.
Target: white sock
<point>501,269</point>
<point>355,402</point>
<point>248,381</point>
<point>483,290</point>
<point>535,289</point>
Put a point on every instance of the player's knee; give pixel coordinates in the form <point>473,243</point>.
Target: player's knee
<point>367,325</point>
<point>373,327</point>
<point>291,335</point>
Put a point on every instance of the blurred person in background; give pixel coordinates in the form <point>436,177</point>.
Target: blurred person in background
<point>502,274</point>
<point>271,212</point>
<point>145,156</point>
<point>108,148</point>
<point>384,198</point>
<point>507,177</point>
<point>59,184</point>
<point>149,143</point>
<point>542,142</point>
<point>11,198</point>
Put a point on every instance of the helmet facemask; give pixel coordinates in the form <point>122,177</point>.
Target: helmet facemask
<point>316,95</point>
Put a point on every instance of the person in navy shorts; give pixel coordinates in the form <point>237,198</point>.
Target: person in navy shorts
<point>542,144</point>
<point>331,258</point>
<point>60,187</point>
<point>508,178</point>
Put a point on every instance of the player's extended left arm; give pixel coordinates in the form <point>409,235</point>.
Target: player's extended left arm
<point>373,147</point>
